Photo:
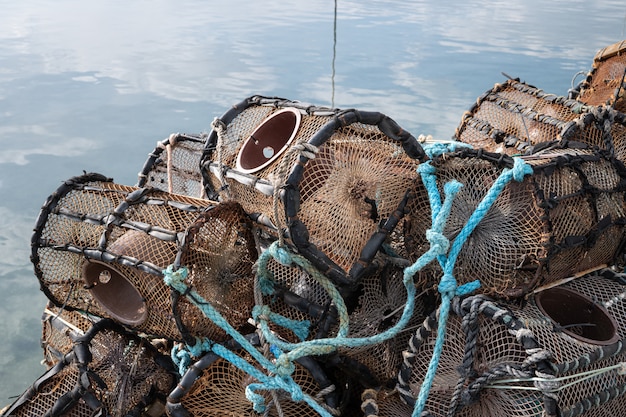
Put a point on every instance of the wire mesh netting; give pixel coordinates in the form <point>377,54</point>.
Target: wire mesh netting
<point>336,174</point>
<point>515,117</point>
<point>562,351</point>
<point>304,261</point>
<point>106,372</point>
<point>565,218</point>
<point>173,166</point>
<point>101,247</point>
<point>604,84</point>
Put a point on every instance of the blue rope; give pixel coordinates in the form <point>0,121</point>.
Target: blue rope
<point>327,345</point>
<point>448,287</point>
<point>282,370</point>
<point>434,149</point>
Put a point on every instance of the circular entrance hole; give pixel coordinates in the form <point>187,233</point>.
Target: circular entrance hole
<point>115,293</point>
<point>269,140</point>
<point>578,316</point>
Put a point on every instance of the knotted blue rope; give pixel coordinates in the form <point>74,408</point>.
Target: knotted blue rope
<point>434,149</point>
<point>282,370</point>
<point>448,287</point>
<point>182,354</point>
<point>326,345</point>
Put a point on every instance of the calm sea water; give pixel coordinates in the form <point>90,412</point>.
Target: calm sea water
<point>94,85</point>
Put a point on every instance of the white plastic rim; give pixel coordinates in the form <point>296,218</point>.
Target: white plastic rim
<point>269,140</point>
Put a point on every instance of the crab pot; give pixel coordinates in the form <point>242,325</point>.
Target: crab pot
<point>514,117</point>
<point>571,331</point>
<point>101,247</point>
<point>214,386</point>
<point>174,165</point>
<point>565,218</point>
<point>337,201</point>
<point>106,370</point>
<point>604,84</point>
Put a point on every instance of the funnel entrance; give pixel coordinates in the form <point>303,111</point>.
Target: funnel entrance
<point>269,140</point>
<point>115,293</point>
<point>578,316</point>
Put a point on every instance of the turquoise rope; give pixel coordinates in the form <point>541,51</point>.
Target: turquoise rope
<point>448,286</point>
<point>327,345</point>
<point>282,370</point>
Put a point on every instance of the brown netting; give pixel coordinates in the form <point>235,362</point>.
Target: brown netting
<point>60,328</point>
<point>106,371</point>
<point>298,296</point>
<point>486,364</point>
<point>565,218</point>
<point>174,165</point>
<point>342,174</point>
<point>604,84</point>
<point>515,117</point>
<point>101,247</point>
<point>380,306</point>
<point>219,252</point>
<point>220,391</point>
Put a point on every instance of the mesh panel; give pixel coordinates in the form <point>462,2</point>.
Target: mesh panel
<point>380,307</point>
<point>514,117</point>
<point>334,200</point>
<point>174,165</point>
<point>59,330</point>
<point>101,247</point>
<point>605,78</point>
<point>498,345</point>
<point>119,375</point>
<point>297,296</point>
<point>219,252</point>
<point>565,218</point>
<point>220,391</point>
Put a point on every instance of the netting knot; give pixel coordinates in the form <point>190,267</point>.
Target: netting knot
<point>426,168</point>
<point>447,285</point>
<point>181,358</point>
<point>218,125</point>
<point>284,365</point>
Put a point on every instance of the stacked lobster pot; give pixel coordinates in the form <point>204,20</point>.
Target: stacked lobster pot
<point>604,83</point>
<point>332,182</point>
<point>309,261</point>
<point>534,215</point>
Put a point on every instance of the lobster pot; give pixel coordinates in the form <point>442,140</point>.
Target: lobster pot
<point>174,165</point>
<point>515,117</point>
<point>60,328</point>
<point>101,247</point>
<point>342,176</point>
<point>605,82</point>
<point>220,390</point>
<point>568,337</point>
<point>564,218</point>
<point>107,369</point>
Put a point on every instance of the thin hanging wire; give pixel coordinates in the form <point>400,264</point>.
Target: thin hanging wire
<point>332,105</point>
